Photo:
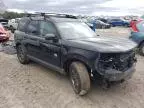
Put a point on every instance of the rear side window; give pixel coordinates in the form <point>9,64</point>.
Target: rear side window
<point>21,25</point>
<point>140,26</point>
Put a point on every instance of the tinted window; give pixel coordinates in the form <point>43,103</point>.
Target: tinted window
<point>21,25</point>
<point>33,28</point>
<point>140,26</point>
<point>47,28</point>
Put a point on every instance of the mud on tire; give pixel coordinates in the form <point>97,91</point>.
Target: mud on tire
<point>22,55</point>
<point>79,78</point>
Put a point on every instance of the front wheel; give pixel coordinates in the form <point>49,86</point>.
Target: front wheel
<point>79,77</point>
<point>141,49</point>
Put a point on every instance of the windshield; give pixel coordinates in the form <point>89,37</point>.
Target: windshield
<point>74,30</point>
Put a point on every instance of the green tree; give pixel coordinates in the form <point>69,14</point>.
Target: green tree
<point>11,15</point>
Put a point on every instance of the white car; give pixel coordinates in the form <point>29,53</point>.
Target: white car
<point>13,23</point>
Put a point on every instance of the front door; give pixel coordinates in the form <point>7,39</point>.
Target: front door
<point>32,38</point>
<point>50,49</point>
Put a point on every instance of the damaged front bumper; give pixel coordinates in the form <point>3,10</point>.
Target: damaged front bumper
<point>116,66</point>
<point>114,75</point>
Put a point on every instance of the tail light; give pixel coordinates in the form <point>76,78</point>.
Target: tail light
<point>134,26</point>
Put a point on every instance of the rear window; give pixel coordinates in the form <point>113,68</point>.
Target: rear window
<point>21,25</point>
<point>140,26</point>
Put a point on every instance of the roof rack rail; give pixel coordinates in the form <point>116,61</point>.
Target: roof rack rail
<point>48,15</point>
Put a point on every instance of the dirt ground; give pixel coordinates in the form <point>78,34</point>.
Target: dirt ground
<point>34,86</point>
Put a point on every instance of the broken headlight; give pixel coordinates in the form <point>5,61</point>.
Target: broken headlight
<point>117,61</point>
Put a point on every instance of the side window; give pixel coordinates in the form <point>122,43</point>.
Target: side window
<point>21,25</point>
<point>33,28</point>
<point>47,28</point>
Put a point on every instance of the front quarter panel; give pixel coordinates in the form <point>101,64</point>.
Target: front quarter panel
<point>86,56</point>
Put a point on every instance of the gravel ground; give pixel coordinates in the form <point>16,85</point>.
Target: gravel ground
<point>34,86</point>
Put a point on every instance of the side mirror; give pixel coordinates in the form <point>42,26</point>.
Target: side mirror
<point>50,37</point>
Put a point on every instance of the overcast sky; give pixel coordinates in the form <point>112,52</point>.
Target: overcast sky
<point>91,7</point>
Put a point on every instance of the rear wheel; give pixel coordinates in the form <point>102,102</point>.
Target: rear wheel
<point>141,49</point>
<point>79,78</point>
<point>22,55</point>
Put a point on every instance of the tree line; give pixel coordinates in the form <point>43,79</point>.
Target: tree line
<point>11,15</point>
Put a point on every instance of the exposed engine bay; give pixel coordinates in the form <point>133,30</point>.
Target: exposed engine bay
<point>116,61</point>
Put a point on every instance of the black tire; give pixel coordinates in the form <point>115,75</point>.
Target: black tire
<point>141,49</point>
<point>79,77</point>
<point>22,55</point>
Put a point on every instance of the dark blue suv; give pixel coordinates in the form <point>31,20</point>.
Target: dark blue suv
<point>119,22</point>
<point>69,46</point>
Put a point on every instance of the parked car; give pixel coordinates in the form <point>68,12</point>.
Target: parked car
<point>69,46</point>
<point>13,23</point>
<point>98,25</point>
<point>119,22</point>
<point>133,22</point>
<point>102,25</point>
<point>103,20</point>
<point>4,36</point>
<point>4,22</point>
<point>137,35</point>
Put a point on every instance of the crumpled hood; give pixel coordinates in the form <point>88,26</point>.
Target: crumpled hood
<point>104,44</point>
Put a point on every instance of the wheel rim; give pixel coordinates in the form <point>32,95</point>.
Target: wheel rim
<point>75,80</point>
<point>20,54</point>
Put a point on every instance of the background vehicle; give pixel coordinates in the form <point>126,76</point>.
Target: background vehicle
<point>4,22</point>
<point>67,45</point>
<point>133,22</point>
<point>118,22</point>
<point>102,25</point>
<point>137,35</point>
<point>103,20</point>
<point>99,24</point>
<point>3,34</point>
<point>13,23</point>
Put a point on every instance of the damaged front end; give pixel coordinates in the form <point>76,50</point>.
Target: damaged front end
<point>116,66</point>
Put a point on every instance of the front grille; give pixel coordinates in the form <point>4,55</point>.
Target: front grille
<point>117,61</point>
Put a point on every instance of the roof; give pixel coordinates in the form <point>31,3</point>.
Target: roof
<point>53,17</point>
<point>58,19</point>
